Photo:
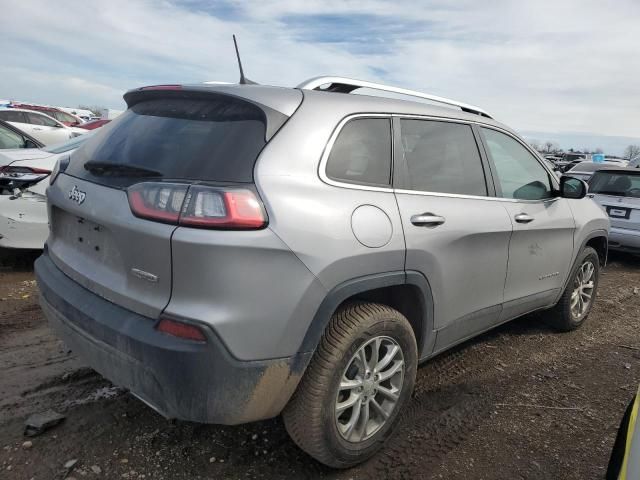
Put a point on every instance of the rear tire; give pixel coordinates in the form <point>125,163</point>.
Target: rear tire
<point>580,294</point>
<point>366,359</point>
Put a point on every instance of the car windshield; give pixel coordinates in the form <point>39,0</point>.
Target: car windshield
<point>621,184</point>
<point>70,145</point>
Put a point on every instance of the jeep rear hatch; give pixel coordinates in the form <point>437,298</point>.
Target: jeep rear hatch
<point>115,207</point>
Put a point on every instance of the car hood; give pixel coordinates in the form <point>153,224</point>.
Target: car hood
<point>11,155</point>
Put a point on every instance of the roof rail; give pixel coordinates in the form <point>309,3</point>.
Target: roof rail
<point>348,85</point>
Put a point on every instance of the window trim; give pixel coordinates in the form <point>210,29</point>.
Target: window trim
<point>550,175</point>
<point>397,160</point>
<point>322,168</point>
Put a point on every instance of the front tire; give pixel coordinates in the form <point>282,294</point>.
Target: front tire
<point>577,300</point>
<point>360,376</point>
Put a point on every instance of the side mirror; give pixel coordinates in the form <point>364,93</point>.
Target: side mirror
<point>29,144</point>
<point>571,187</point>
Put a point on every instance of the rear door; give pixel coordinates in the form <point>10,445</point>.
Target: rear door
<point>541,246</point>
<point>95,238</point>
<point>48,129</point>
<point>457,233</point>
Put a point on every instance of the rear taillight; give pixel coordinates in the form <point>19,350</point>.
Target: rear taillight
<point>181,330</point>
<point>60,167</point>
<point>197,205</point>
<point>161,202</point>
<point>16,176</point>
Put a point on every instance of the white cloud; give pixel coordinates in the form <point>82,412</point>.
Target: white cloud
<point>550,65</point>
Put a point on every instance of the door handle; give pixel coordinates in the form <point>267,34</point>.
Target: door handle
<point>523,218</point>
<point>427,220</point>
<point>37,128</point>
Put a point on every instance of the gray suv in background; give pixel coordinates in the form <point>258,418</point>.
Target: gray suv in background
<point>232,252</point>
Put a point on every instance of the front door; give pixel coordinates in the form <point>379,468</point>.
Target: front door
<point>541,246</point>
<point>456,234</point>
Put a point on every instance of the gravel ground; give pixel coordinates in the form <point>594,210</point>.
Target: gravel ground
<point>521,402</point>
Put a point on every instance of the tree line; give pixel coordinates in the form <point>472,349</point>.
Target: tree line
<point>549,147</point>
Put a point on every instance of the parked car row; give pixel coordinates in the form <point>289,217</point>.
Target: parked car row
<point>39,125</point>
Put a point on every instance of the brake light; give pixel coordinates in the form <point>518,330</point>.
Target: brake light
<point>161,202</point>
<point>60,167</point>
<point>197,205</point>
<point>181,330</point>
<point>13,170</point>
<point>14,177</point>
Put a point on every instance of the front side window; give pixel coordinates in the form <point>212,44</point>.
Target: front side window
<point>37,119</point>
<point>520,175</point>
<point>442,157</point>
<point>362,153</point>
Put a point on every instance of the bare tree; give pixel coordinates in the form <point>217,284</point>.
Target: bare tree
<point>535,144</point>
<point>548,147</point>
<point>631,152</point>
<point>598,150</point>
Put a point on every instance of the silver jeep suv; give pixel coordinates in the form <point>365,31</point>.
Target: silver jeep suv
<point>232,252</point>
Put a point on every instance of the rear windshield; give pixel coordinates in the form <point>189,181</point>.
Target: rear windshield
<point>213,139</point>
<point>616,183</point>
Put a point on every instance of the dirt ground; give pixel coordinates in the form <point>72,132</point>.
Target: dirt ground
<point>521,402</point>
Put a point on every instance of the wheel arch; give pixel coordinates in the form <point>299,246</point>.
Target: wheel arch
<point>598,240</point>
<point>408,292</point>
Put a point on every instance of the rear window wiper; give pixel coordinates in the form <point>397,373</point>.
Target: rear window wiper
<point>119,169</point>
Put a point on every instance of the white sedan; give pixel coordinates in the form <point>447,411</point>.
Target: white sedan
<point>24,178</point>
<point>39,125</point>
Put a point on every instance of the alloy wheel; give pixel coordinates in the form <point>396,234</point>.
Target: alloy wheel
<point>370,388</point>
<point>583,289</point>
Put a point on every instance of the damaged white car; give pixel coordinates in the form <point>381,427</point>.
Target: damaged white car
<point>24,180</point>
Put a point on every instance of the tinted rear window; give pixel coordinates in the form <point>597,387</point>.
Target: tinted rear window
<point>213,139</point>
<point>616,183</point>
<point>362,153</point>
<point>442,157</point>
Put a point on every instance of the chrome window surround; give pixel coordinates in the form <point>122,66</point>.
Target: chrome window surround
<point>334,135</point>
<point>352,84</point>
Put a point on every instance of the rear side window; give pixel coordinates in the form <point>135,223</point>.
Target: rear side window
<point>362,153</point>
<point>12,116</point>
<point>217,138</point>
<point>442,157</point>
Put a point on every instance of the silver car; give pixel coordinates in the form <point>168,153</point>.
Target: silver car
<point>618,191</point>
<point>229,253</point>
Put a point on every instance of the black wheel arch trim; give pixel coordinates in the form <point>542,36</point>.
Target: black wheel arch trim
<point>595,234</point>
<point>345,290</point>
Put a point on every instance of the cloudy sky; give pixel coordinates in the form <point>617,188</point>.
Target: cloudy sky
<point>546,66</point>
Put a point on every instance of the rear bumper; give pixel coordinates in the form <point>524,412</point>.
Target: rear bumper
<point>192,381</point>
<point>624,239</point>
<point>23,223</point>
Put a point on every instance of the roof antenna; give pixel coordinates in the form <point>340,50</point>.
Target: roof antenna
<point>243,80</point>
